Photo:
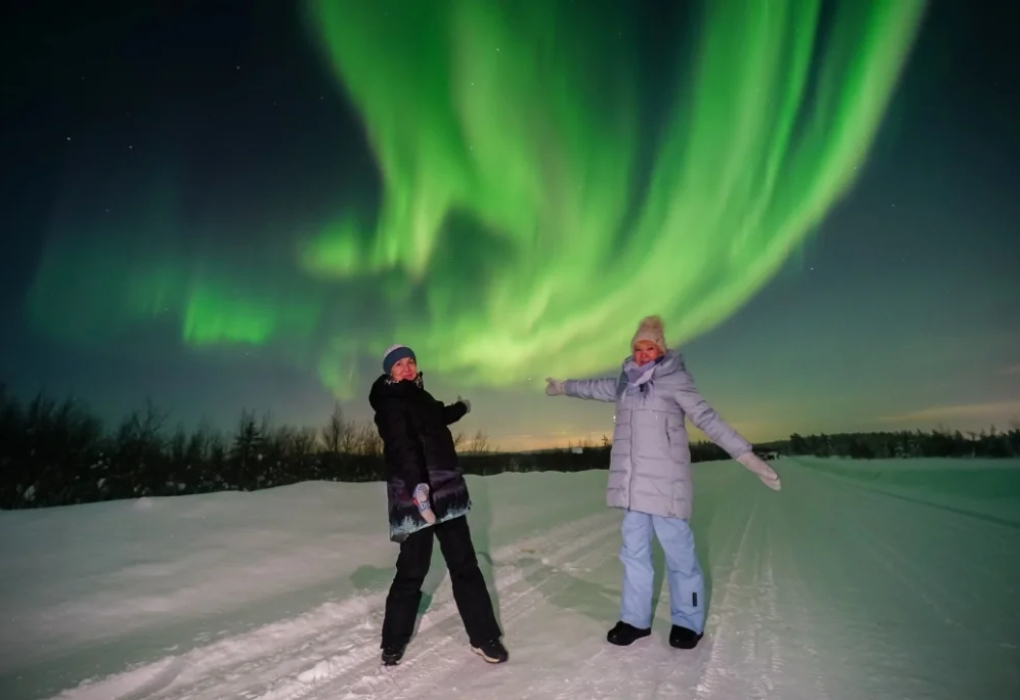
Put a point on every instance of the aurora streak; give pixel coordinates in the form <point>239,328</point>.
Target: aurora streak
<point>531,201</point>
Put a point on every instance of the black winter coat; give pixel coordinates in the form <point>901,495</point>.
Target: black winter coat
<point>418,449</point>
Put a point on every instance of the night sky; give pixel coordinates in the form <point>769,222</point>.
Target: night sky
<point>229,205</point>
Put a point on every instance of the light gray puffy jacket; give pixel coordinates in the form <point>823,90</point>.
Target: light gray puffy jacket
<point>650,463</point>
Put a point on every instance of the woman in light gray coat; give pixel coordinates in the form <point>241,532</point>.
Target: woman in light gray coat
<point>650,479</point>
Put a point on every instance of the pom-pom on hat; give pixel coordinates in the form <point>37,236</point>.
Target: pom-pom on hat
<point>650,329</point>
<point>394,354</point>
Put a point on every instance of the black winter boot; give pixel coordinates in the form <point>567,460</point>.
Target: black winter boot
<point>683,638</point>
<point>624,634</point>
<point>392,654</point>
<point>492,651</point>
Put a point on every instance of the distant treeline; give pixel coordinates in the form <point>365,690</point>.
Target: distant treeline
<point>903,444</point>
<point>58,453</point>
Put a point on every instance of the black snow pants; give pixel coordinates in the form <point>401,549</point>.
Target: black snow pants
<point>469,591</point>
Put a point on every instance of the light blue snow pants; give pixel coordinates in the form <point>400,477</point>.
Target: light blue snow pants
<point>686,583</point>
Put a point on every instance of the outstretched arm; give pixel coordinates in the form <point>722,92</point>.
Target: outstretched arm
<point>401,445</point>
<point>455,411</point>
<point>722,433</point>
<point>592,389</point>
<point>707,420</point>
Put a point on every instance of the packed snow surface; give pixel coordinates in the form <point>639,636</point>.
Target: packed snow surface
<point>857,580</point>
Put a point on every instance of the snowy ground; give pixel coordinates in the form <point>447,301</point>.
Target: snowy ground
<point>858,580</point>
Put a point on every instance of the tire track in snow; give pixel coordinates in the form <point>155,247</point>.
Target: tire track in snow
<point>877,489</point>
<point>749,642</point>
<point>911,570</point>
<point>793,638</point>
<point>437,663</point>
<point>762,630</point>
<point>909,593</point>
<point>738,657</point>
<point>285,649</point>
<point>726,653</point>
<point>228,656</point>
<point>724,641</point>
<point>360,674</point>
<point>295,675</point>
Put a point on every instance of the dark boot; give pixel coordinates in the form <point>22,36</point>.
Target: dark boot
<point>624,635</point>
<point>392,654</point>
<point>492,651</point>
<point>683,638</point>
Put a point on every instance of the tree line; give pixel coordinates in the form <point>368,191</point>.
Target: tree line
<point>940,442</point>
<point>59,453</point>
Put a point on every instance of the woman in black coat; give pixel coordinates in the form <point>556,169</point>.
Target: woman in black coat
<point>427,496</point>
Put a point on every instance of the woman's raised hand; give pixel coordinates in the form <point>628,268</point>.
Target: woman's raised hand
<point>553,387</point>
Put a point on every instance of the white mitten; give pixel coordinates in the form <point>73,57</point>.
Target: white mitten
<point>467,405</point>
<point>554,387</point>
<point>421,499</point>
<point>761,468</point>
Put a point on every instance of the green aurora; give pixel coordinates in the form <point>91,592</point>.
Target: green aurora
<point>530,203</point>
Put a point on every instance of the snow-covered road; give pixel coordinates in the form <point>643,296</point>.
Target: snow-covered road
<point>850,583</point>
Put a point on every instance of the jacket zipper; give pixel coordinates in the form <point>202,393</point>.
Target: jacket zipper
<point>424,453</point>
<point>630,483</point>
